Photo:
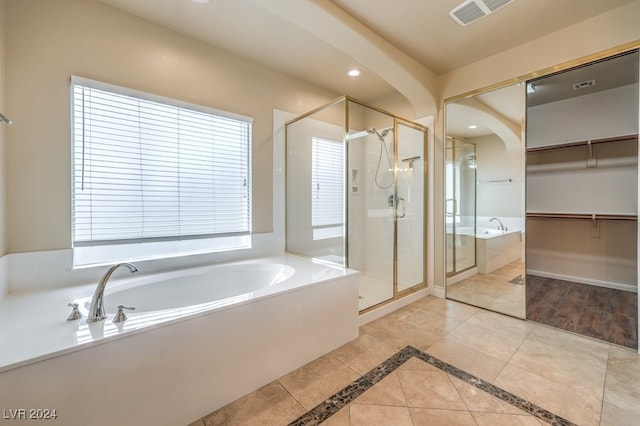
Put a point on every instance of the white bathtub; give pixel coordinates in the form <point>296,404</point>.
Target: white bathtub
<point>197,340</point>
<point>203,288</point>
<point>468,231</point>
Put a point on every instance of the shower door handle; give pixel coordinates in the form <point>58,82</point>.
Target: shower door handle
<point>403,202</point>
<point>454,206</point>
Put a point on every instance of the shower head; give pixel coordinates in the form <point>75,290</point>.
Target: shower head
<point>381,135</point>
<point>360,134</point>
<point>371,131</point>
<point>4,119</point>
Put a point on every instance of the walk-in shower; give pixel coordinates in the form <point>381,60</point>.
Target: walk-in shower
<point>355,195</point>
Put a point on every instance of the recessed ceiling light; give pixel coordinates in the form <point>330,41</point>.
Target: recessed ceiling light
<point>200,1</point>
<point>473,126</point>
<point>354,72</point>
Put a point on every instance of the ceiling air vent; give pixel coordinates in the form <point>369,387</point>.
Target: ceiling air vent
<point>584,85</point>
<point>472,10</point>
<point>494,5</point>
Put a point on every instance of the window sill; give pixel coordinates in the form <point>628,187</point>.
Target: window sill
<point>90,256</point>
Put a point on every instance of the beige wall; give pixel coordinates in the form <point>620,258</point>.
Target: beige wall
<point>495,162</point>
<point>48,41</point>
<point>603,32</point>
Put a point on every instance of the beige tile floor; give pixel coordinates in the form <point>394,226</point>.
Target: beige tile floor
<point>583,380</point>
<point>493,291</point>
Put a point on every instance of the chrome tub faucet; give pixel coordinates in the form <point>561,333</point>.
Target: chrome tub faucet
<point>96,310</point>
<point>500,225</point>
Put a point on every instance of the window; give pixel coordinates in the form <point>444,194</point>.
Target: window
<point>154,171</point>
<point>327,188</point>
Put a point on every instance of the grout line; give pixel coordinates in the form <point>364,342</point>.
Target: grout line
<point>604,387</point>
<point>464,401</point>
<point>290,394</point>
<point>404,395</point>
<point>344,362</point>
<point>514,353</point>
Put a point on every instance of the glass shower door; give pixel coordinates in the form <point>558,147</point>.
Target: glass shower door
<point>370,206</point>
<point>460,192</point>
<point>315,185</point>
<point>410,178</point>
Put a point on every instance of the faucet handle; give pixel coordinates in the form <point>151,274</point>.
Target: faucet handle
<point>75,312</point>
<point>120,315</point>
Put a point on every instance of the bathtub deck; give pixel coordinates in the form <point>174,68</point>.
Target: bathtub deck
<point>38,328</point>
<point>171,372</point>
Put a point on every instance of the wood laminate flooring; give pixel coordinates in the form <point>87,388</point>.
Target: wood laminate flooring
<point>604,313</point>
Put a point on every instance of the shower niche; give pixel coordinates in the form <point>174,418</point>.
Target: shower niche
<point>355,195</point>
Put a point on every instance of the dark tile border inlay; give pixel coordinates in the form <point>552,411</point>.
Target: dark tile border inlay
<point>345,396</point>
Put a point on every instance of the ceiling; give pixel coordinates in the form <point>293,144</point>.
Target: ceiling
<point>607,74</point>
<point>267,32</point>
<point>509,103</point>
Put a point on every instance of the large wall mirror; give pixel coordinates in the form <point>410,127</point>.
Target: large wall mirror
<point>485,200</point>
<point>569,178</point>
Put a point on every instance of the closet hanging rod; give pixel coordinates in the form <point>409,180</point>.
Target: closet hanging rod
<point>583,216</point>
<point>580,143</point>
<point>495,181</point>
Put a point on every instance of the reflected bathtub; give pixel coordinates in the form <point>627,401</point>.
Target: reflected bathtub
<point>495,248</point>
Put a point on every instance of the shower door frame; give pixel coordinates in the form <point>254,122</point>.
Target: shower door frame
<point>425,196</point>
<point>456,203</point>
<point>396,120</point>
<point>425,199</point>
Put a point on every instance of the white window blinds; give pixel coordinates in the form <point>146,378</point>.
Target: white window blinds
<point>147,168</point>
<point>327,188</point>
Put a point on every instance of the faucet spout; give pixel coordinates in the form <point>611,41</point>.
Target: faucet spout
<point>500,224</point>
<point>96,310</point>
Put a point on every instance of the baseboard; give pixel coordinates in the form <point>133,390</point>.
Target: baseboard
<point>391,306</point>
<point>440,292</point>
<point>583,280</point>
<point>462,275</point>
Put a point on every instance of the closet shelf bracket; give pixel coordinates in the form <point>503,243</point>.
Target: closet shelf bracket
<point>595,229</point>
<point>591,159</point>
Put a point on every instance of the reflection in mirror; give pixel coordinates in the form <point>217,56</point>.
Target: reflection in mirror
<point>485,207</point>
